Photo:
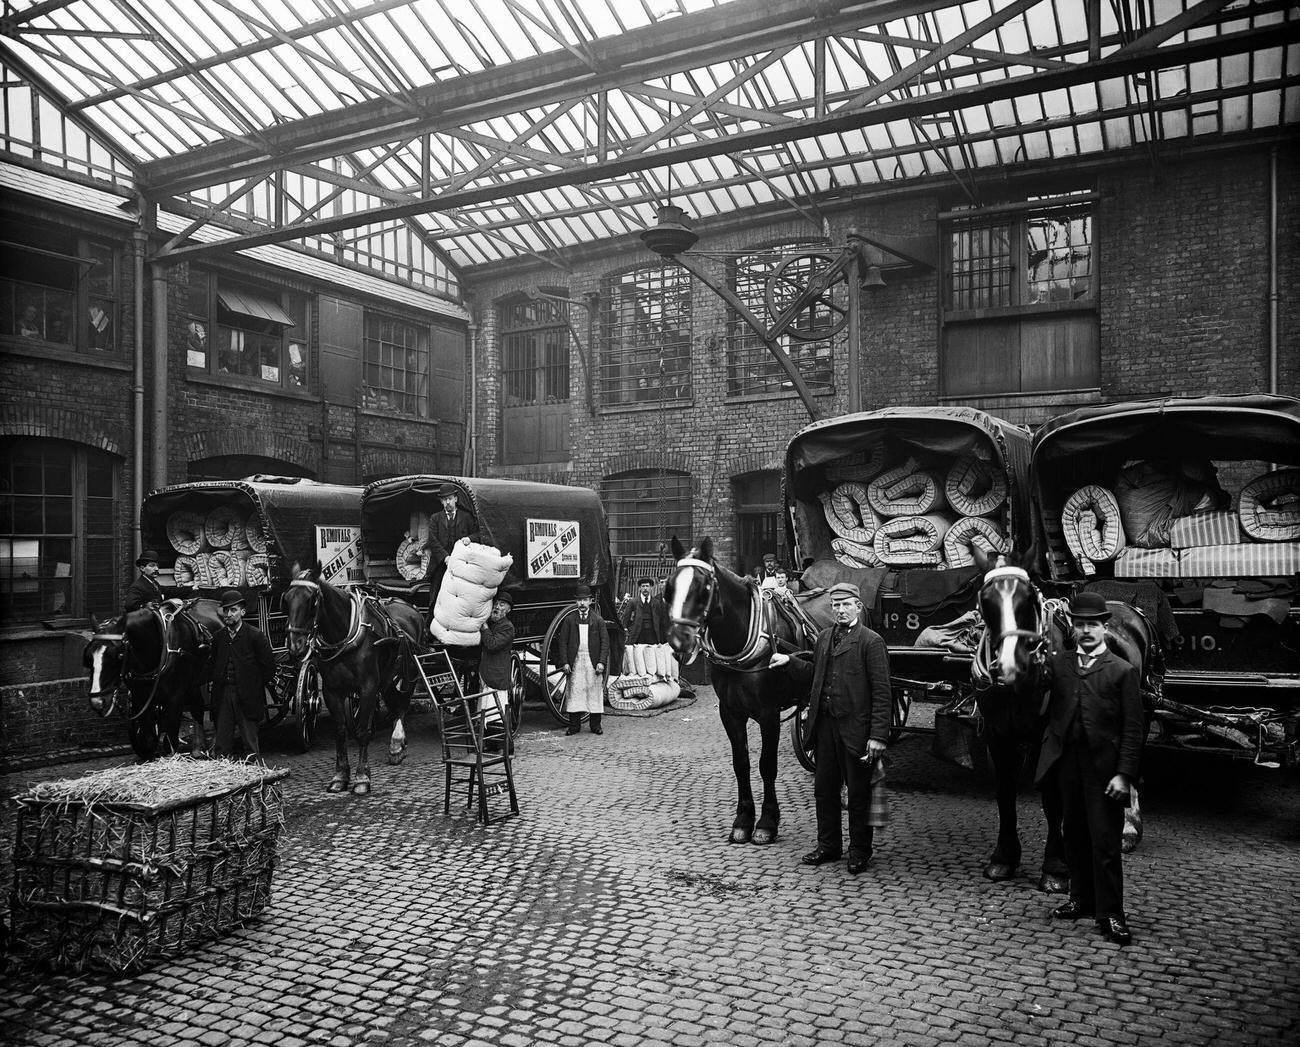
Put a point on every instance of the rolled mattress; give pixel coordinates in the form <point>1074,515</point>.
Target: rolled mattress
<point>970,531</point>
<point>1090,521</point>
<point>1269,507</point>
<point>974,487</point>
<point>912,541</point>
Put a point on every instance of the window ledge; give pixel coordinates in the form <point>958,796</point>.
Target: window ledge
<point>252,385</point>
<point>111,361</point>
<point>1086,305</point>
<point>741,399</point>
<point>655,406</point>
<point>377,412</point>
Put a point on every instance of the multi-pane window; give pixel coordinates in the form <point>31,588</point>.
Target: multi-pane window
<point>757,497</point>
<point>395,365</point>
<point>58,550</point>
<point>57,288</point>
<point>534,354</point>
<point>646,509</point>
<point>751,367</point>
<point>1020,302</point>
<point>1040,258</point>
<point>250,332</point>
<point>648,336</point>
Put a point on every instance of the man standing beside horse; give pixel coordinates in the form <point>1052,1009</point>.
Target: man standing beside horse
<point>847,727</point>
<point>1091,745</point>
<point>243,665</point>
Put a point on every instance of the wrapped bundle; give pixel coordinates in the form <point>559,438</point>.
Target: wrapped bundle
<point>968,532</point>
<point>254,532</point>
<point>220,527</point>
<point>225,570</point>
<point>861,465</point>
<point>849,512</point>
<point>1269,507</point>
<point>185,532</point>
<point>975,487</point>
<point>474,572</point>
<point>654,661</point>
<point>1152,494</point>
<point>412,560</point>
<point>906,490</point>
<point>257,571</point>
<point>186,571</point>
<point>912,541</point>
<point>640,696</point>
<point>855,554</point>
<point>1090,521</point>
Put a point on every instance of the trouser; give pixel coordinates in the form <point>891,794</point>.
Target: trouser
<point>1094,830</point>
<point>230,719</point>
<point>836,766</point>
<point>435,583</point>
<point>575,722</point>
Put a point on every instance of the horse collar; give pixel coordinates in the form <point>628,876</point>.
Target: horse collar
<point>753,654</point>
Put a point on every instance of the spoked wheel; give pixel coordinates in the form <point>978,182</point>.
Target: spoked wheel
<point>282,689</point>
<point>307,701</point>
<point>902,706</point>
<point>554,682</point>
<point>517,691</point>
<point>805,756</point>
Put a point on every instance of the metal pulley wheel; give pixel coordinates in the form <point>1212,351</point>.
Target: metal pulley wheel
<point>824,317</point>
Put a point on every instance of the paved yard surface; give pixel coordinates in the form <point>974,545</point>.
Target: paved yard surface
<point>613,912</point>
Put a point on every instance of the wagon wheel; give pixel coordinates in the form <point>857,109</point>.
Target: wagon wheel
<point>282,689</point>
<point>902,706</point>
<point>824,317</point>
<point>307,701</point>
<point>554,684</point>
<point>517,691</point>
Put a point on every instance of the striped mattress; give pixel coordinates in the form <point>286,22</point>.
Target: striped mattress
<point>1214,528</point>
<point>1242,560</point>
<point>1091,524</point>
<point>969,531</point>
<point>1269,507</point>
<point>912,541</point>
<point>974,487</point>
<point>906,490</point>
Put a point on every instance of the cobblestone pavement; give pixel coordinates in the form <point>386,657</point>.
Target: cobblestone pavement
<point>614,912</point>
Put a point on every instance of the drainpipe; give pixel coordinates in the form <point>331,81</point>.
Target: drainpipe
<point>471,439</point>
<point>159,273</point>
<point>141,240</point>
<point>1272,270</point>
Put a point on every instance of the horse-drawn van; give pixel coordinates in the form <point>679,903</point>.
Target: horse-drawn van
<point>1190,507</point>
<point>247,535</point>
<point>893,500</point>
<point>555,535</point>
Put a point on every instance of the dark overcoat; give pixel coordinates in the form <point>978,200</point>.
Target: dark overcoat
<point>646,623</point>
<point>495,640</point>
<point>444,533</point>
<point>860,696</point>
<point>142,592</point>
<point>1106,695</point>
<point>254,663</point>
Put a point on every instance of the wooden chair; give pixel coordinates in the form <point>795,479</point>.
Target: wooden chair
<point>476,748</point>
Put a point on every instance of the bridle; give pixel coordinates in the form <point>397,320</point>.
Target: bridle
<point>163,616</point>
<point>754,653</point>
<point>1038,639</point>
<point>328,651</point>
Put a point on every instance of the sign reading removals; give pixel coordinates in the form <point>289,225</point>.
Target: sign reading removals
<point>553,549</point>
<point>339,551</point>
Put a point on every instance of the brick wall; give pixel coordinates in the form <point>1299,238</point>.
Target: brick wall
<point>41,721</point>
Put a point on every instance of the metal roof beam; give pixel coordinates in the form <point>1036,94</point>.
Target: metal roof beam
<point>1111,67</point>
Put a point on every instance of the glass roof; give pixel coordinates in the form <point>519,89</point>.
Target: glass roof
<point>495,130</point>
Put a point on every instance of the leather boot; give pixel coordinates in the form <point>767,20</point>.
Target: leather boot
<point>595,724</point>
<point>575,723</point>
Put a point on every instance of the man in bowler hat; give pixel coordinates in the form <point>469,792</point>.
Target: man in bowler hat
<point>145,590</point>
<point>242,667</point>
<point>849,716</point>
<point>446,528</point>
<point>1092,744</point>
<point>645,618</point>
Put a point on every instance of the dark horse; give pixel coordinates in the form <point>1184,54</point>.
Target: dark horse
<point>1020,629</point>
<point>364,647</point>
<point>713,609</point>
<point>159,659</point>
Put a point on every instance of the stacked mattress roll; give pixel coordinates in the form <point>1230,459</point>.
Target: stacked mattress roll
<point>474,573</point>
<point>909,514</point>
<point>650,678</point>
<point>222,549</point>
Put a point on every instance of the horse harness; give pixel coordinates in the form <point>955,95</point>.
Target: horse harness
<point>166,613</point>
<point>1040,640</point>
<point>357,625</point>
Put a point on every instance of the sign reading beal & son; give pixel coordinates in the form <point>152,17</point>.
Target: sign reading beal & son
<point>552,547</point>
<point>339,552</point>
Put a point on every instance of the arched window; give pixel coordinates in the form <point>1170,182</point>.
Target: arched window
<point>59,552</point>
<point>751,367</point>
<point>647,336</point>
<point>645,509</point>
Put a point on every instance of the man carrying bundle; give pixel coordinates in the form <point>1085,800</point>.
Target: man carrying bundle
<point>446,528</point>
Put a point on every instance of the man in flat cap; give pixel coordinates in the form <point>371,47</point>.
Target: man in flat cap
<point>1092,744</point>
<point>447,527</point>
<point>242,667</point>
<point>145,590</point>
<point>847,727</point>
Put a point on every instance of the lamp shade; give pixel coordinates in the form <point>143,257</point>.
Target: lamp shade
<point>671,234</point>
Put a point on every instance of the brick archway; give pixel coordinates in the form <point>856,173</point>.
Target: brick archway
<point>231,442</point>
<point>57,423</point>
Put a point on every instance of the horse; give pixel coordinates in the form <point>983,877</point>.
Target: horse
<point>160,658</point>
<point>1020,628</point>
<point>363,646</point>
<point>713,609</point>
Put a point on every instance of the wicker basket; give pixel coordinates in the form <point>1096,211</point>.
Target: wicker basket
<point>118,886</point>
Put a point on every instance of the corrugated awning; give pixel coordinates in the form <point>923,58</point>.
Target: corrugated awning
<point>254,305</point>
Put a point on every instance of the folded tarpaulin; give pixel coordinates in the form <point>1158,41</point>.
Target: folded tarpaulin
<point>927,591</point>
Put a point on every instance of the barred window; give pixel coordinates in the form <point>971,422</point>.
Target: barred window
<point>534,354</point>
<point>751,367</point>
<point>395,375</point>
<point>645,509</point>
<point>648,336</point>
<point>58,545</point>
